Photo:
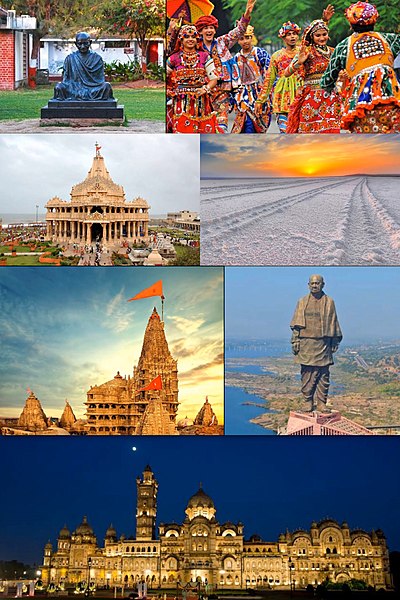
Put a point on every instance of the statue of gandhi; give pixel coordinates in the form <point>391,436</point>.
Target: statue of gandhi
<point>83,74</point>
<point>316,336</point>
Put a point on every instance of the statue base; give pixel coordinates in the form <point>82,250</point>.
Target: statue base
<point>79,109</point>
<point>318,423</point>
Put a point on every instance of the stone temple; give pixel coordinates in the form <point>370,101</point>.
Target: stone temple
<point>203,549</point>
<point>122,406</point>
<point>97,212</point>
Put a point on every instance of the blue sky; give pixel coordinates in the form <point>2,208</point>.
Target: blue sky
<point>64,330</point>
<point>260,301</point>
<point>268,483</point>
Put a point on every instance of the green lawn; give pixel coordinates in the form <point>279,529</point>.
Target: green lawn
<point>16,248</point>
<point>26,103</point>
<point>24,261</point>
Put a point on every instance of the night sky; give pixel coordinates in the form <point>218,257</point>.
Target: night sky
<point>268,484</point>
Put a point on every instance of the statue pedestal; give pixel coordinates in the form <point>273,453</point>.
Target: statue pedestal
<point>78,109</point>
<point>318,423</point>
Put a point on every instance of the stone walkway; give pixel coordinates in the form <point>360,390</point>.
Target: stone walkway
<point>88,260</point>
<point>33,126</point>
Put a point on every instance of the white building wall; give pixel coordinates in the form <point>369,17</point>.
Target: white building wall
<point>53,53</point>
<point>19,56</point>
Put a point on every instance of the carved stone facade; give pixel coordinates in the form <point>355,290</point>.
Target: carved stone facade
<point>97,212</point>
<point>202,548</point>
<point>122,406</point>
<point>33,417</point>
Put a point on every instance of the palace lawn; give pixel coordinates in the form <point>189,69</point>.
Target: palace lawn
<point>25,103</point>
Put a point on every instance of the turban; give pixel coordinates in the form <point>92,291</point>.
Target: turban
<point>250,31</point>
<point>206,21</point>
<point>286,27</point>
<point>361,13</point>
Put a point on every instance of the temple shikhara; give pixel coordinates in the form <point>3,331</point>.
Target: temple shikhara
<point>201,549</point>
<point>97,212</point>
<point>145,403</point>
<point>122,406</point>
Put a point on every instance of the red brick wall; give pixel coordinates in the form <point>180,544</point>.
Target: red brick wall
<point>7,60</point>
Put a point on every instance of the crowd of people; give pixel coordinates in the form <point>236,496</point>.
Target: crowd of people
<point>309,86</point>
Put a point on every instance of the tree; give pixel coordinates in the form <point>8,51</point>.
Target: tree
<point>138,19</point>
<point>188,256</point>
<point>63,18</point>
<point>268,17</point>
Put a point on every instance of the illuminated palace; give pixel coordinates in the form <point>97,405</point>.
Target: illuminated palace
<point>97,212</point>
<point>201,547</point>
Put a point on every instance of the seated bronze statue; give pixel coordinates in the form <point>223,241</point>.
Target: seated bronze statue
<point>83,74</point>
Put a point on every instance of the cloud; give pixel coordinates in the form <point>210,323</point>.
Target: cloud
<point>189,326</point>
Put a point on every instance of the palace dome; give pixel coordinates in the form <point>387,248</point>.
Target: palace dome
<point>84,528</point>
<point>200,499</point>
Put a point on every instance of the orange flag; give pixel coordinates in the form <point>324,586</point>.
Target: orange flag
<point>156,384</point>
<point>153,290</point>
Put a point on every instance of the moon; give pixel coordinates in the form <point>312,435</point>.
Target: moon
<point>134,448</point>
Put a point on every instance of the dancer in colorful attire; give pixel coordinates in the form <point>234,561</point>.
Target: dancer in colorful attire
<point>225,66</point>
<point>314,110</point>
<point>191,76</point>
<point>283,88</point>
<point>371,93</point>
<point>253,63</point>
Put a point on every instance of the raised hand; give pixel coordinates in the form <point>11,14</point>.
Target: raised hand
<point>328,13</point>
<point>249,8</point>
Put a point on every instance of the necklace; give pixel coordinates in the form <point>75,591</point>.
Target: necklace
<point>189,59</point>
<point>324,50</point>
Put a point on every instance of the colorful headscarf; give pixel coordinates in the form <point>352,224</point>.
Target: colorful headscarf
<point>312,28</point>
<point>183,32</point>
<point>206,21</point>
<point>288,26</point>
<point>361,13</point>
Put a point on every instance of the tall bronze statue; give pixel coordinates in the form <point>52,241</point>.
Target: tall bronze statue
<point>83,74</point>
<point>316,336</point>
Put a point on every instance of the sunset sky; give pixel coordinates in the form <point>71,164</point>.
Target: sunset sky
<point>299,155</point>
<point>64,330</point>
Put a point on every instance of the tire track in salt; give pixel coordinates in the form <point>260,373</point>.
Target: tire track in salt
<point>364,235</point>
<point>248,189</point>
<point>218,228</point>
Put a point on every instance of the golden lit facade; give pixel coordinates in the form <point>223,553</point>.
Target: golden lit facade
<point>120,406</point>
<point>203,549</point>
